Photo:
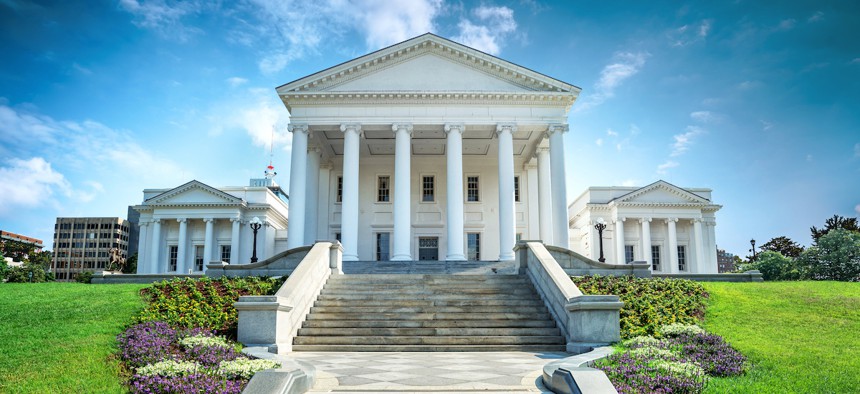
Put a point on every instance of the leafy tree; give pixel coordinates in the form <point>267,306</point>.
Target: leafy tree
<point>4,268</point>
<point>774,266</point>
<point>18,251</point>
<point>26,273</point>
<point>784,246</point>
<point>41,259</point>
<point>836,256</point>
<point>833,223</point>
<point>130,265</point>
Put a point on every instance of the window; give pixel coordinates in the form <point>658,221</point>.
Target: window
<point>383,240</point>
<point>225,253</point>
<point>628,253</point>
<point>682,258</point>
<point>337,236</point>
<point>428,187</point>
<point>516,189</point>
<point>172,253</point>
<point>428,248</point>
<point>472,190</point>
<point>198,257</point>
<point>383,193</point>
<point>655,257</point>
<point>519,237</point>
<point>339,197</point>
<point>473,242</point>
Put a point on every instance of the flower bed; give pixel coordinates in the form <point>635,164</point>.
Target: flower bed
<point>165,360</point>
<point>681,361</point>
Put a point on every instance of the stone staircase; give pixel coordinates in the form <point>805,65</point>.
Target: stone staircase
<point>426,313</point>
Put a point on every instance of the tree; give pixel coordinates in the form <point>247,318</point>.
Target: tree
<point>130,266</point>
<point>4,268</point>
<point>833,223</point>
<point>784,246</point>
<point>41,259</point>
<point>836,256</point>
<point>774,266</point>
<point>18,251</point>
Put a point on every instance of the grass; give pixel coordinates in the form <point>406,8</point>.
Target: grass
<point>801,337</point>
<point>60,337</point>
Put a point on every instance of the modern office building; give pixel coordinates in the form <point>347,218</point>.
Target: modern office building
<point>85,244</point>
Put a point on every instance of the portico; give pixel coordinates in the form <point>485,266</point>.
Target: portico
<point>430,145</point>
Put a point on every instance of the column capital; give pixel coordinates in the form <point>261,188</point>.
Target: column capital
<point>208,220</point>
<point>155,221</point>
<point>298,127</point>
<point>696,220</point>
<point>458,127</point>
<point>530,165</point>
<point>506,127</point>
<point>314,149</point>
<point>644,220</point>
<point>143,223</point>
<point>356,127</point>
<point>619,219</point>
<point>673,220</point>
<point>402,126</point>
<point>557,127</point>
<point>181,220</point>
<point>326,166</point>
<point>542,149</point>
<point>236,220</point>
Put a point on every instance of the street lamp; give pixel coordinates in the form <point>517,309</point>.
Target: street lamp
<point>600,226</point>
<point>752,242</point>
<point>255,225</point>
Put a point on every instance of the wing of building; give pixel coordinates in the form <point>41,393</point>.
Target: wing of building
<point>425,150</point>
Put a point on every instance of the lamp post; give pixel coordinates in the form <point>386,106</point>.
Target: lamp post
<point>600,226</point>
<point>752,242</point>
<point>255,225</point>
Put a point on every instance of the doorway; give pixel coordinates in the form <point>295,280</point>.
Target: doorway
<point>428,248</point>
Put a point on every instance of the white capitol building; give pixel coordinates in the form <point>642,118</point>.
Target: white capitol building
<point>426,150</point>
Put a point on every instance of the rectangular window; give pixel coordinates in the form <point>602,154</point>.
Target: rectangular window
<point>428,187</point>
<point>473,242</point>
<point>225,253</point>
<point>339,197</point>
<point>337,236</point>
<point>655,257</point>
<point>198,257</point>
<point>428,248</point>
<point>516,189</point>
<point>472,189</point>
<point>383,240</point>
<point>172,254</point>
<point>628,253</point>
<point>682,258</point>
<point>383,193</point>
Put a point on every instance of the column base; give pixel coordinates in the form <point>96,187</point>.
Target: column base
<point>348,257</point>
<point>404,257</point>
<point>455,257</point>
<point>507,257</point>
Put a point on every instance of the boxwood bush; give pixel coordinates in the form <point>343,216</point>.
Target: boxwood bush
<point>649,303</point>
<point>202,303</point>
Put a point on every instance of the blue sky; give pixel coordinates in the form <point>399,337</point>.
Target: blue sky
<point>756,100</point>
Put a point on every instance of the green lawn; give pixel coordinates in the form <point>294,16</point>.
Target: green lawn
<point>801,337</point>
<point>60,337</point>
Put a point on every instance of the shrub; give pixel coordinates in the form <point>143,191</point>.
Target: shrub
<point>632,374</point>
<point>676,329</point>
<point>205,302</point>
<point>245,368</point>
<point>169,368</point>
<point>194,383</point>
<point>147,343</point>
<point>649,303</point>
<point>774,266</point>
<point>203,340</point>
<point>28,273</point>
<point>835,256</point>
<point>84,277</point>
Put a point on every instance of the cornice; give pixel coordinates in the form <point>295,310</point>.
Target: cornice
<point>156,200</point>
<point>428,97</point>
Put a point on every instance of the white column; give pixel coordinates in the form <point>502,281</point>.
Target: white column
<point>711,248</point>
<point>673,245</point>
<point>312,202</point>
<point>235,235</point>
<point>620,256</point>
<point>698,265</point>
<point>181,262</point>
<point>142,261</point>
<point>545,195</point>
<point>326,202</point>
<point>402,196</point>
<point>349,206</point>
<point>298,186</point>
<point>532,196</point>
<point>561,232</point>
<point>156,247</point>
<point>454,151</point>
<point>507,226</point>
<point>646,240</point>
<point>207,241</point>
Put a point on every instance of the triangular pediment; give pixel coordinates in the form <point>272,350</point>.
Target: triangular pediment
<point>662,192</point>
<point>427,63</point>
<point>194,193</point>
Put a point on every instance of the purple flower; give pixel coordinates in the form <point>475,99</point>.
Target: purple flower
<point>147,343</point>
<point>195,383</point>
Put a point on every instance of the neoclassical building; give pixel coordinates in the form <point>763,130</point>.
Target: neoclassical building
<point>187,227</point>
<point>669,227</point>
<point>428,149</point>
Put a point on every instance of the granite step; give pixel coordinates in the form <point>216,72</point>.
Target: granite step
<point>430,348</point>
<point>428,323</point>
<point>429,340</point>
<point>534,303</point>
<point>423,332</point>
<point>405,309</point>
<point>430,316</point>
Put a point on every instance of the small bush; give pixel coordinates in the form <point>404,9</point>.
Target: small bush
<point>206,303</point>
<point>649,303</point>
<point>169,368</point>
<point>84,277</point>
<point>677,329</point>
<point>245,368</point>
<point>194,383</point>
<point>28,273</point>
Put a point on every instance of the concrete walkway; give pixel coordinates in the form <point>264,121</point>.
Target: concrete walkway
<point>487,372</point>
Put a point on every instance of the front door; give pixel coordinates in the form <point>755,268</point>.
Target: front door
<point>428,248</point>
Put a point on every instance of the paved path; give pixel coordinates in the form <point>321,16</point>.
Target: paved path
<point>487,372</point>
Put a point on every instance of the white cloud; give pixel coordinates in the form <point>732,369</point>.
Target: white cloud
<point>818,16</point>
<point>786,24</point>
<point>662,168</point>
<point>629,182</point>
<point>611,133</point>
<point>493,26</point>
<point>704,28</point>
<point>684,140</point>
<point>29,183</point>
<point>857,208</point>
<point>384,24</point>
<point>689,34</point>
<point>746,85</point>
<point>704,116</point>
<point>624,66</point>
<point>856,60</point>
<point>255,113</point>
<point>765,125</point>
<point>236,81</point>
<point>809,158</point>
<point>599,142</point>
<point>164,17</point>
<point>634,129</point>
